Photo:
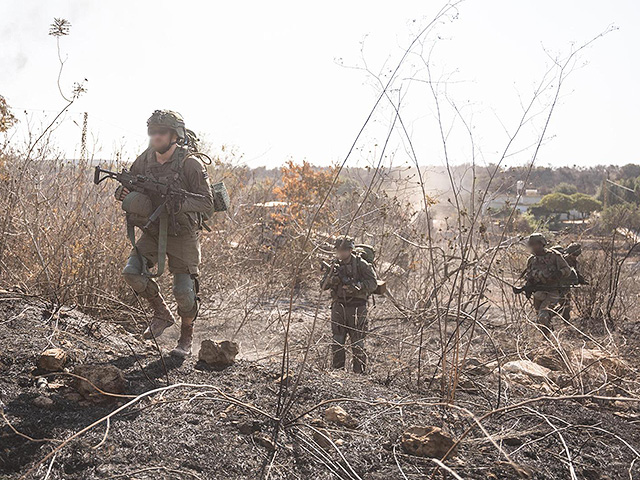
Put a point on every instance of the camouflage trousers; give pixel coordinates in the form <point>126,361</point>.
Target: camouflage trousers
<point>348,319</point>
<point>183,253</point>
<point>546,306</point>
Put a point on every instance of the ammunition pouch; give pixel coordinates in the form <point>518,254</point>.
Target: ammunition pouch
<point>221,199</point>
<point>138,207</point>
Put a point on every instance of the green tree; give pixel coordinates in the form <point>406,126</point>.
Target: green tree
<point>623,215</point>
<point>557,203</point>
<point>566,188</point>
<point>585,204</point>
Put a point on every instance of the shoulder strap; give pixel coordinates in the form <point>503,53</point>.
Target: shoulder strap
<point>182,157</point>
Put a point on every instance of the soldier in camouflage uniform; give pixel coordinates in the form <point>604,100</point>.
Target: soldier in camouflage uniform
<point>545,267</point>
<point>351,281</point>
<point>168,160</point>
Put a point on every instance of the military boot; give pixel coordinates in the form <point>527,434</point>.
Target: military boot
<point>162,318</point>
<point>183,349</point>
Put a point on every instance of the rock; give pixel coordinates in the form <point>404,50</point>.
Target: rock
<point>42,402</point>
<point>596,360</point>
<point>218,354</point>
<point>527,368</point>
<point>107,378</point>
<point>52,360</point>
<point>560,379</point>
<point>427,442</point>
<point>264,440</point>
<point>550,360</point>
<point>340,416</point>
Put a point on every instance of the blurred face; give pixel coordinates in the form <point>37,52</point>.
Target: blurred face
<point>536,248</point>
<point>160,138</point>
<point>343,254</point>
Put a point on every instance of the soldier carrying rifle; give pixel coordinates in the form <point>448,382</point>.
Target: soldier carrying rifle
<point>546,275</point>
<point>351,280</point>
<point>167,194</point>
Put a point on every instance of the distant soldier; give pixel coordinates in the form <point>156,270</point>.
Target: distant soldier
<point>351,281</point>
<point>168,160</point>
<point>546,268</point>
<point>571,254</point>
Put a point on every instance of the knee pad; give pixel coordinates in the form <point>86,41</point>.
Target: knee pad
<point>140,283</point>
<point>184,291</point>
<point>132,274</point>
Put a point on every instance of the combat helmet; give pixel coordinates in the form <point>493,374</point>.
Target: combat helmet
<point>169,119</point>
<point>344,242</point>
<point>537,238</point>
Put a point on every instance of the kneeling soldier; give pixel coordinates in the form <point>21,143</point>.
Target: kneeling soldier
<point>351,280</point>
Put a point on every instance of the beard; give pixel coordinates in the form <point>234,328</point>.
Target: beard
<point>162,148</point>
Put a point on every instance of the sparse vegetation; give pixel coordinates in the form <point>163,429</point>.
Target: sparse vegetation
<point>450,344</point>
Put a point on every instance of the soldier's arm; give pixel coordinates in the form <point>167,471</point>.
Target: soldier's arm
<point>368,277</point>
<point>563,266</point>
<point>329,281</point>
<point>198,182</point>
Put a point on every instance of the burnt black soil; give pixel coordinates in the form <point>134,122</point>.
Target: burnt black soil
<point>203,432</point>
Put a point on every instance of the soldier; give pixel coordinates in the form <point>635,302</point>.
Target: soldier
<point>545,267</point>
<point>571,254</point>
<point>168,160</point>
<point>351,281</point>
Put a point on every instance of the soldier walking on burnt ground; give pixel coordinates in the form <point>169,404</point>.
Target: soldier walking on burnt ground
<point>351,280</point>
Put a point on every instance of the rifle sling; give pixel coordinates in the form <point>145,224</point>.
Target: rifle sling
<point>162,246</point>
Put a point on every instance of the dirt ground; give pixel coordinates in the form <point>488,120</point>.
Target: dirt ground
<point>220,424</point>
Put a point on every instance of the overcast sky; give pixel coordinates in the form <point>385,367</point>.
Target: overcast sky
<point>266,78</point>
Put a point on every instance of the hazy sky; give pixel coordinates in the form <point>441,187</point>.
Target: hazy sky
<point>265,76</point>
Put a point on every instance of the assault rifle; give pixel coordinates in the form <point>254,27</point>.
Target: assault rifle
<point>341,272</point>
<point>171,195</point>
<point>530,289</point>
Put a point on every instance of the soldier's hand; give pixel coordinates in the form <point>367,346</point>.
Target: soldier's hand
<point>349,289</point>
<point>121,192</point>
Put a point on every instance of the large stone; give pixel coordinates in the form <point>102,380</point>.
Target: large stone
<point>107,378</point>
<point>339,415</point>
<point>52,360</point>
<point>593,360</point>
<point>218,354</point>
<point>550,360</point>
<point>527,368</point>
<point>430,442</point>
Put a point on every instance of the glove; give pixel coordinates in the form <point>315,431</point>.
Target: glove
<point>120,193</point>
